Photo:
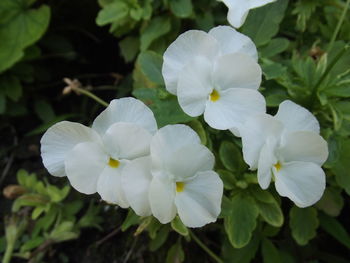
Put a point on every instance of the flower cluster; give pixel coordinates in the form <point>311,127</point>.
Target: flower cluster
<point>128,162</point>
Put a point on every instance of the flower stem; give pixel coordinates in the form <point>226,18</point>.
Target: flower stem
<point>205,248</point>
<point>91,95</point>
<point>340,23</point>
<point>8,253</point>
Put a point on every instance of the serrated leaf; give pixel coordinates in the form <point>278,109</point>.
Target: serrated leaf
<point>240,224</point>
<point>112,12</point>
<point>303,223</point>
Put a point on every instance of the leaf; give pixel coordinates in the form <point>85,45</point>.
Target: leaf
<point>231,157</point>
<point>20,27</point>
<point>270,252</point>
<point>263,23</point>
<point>271,213</point>
<point>341,167</point>
<point>179,227</point>
<point>331,202</point>
<point>160,238</point>
<point>151,65</point>
<point>129,47</point>
<point>112,12</point>
<point>130,220</point>
<point>44,110</point>
<point>304,10</point>
<point>228,179</point>
<point>274,47</point>
<point>175,254</point>
<point>335,229</point>
<point>241,255</point>
<point>31,244</point>
<point>12,86</point>
<point>2,103</point>
<point>303,223</point>
<point>240,224</point>
<point>181,8</point>
<point>158,27</point>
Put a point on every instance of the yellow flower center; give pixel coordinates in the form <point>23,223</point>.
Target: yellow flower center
<point>278,166</point>
<point>113,163</point>
<point>214,96</point>
<point>180,186</point>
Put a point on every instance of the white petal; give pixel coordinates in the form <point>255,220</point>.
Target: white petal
<point>267,159</point>
<point>302,182</point>
<point>296,118</point>
<point>231,41</point>
<point>237,13</point>
<point>128,110</point>
<point>186,47</point>
<point>233,108</point>
<point>170,139</point>
<point>254,133</point>
<point>304,146</point>
<point>59,140</point>
<point>161,198</point>
<point>84,164</point>
<point>136,179</point>
<point>189,160</point>
<point>127,141</point>
<point>109,186</point>
<point>200,201</point>
<point>237,70</point>
<point>195,86</point>
<point>258,3</point>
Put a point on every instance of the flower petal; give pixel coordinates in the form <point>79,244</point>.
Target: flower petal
<point>304,146</point>
<point>302,182</point>
<point>128,110</point>
<point>84,164</point>
<point>258,3</point>
<point>267,159</point>
<point>255,132</point>
<point>200,201</point>
<point>136,179</point>
<point>195,86</point>
<point>233,108</point>
<point>186,47</point>
<point>189,160</point>
<point>59,140</point>
<point>127,141</point>
<point>109,186</point>
<point>296,118</point>
<point>231,41</point>
<point>237,12</point>
<point>237,70</point>
<point>168,140</point>
<point>161,198</point>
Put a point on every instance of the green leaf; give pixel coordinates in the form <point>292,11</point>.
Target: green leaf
<point>263,23</point>
<point>20,27</point>
<point>160,238</point>
<point>2,103</point>
<point>31,244</point>
<point>44,110</point>
<point>303,223</point>
<point>197,126</point>
<point>331,202</point>
<point>271,213</point>
<point>231,157</point>
<point>335,229</point>
<point>175,254</point>
<point>228,179</point>
<point>151,65</point>
<point>12,86</point>
<point>270,252</point>
<point>240,224</point>
<point>158,27</point>
<point>274,47</point>
<point>241,255</point>
<point>130,220</point>
<point>179,227</point>
<point>304,10</point>
<point>37,212</point>
<point>341,167</point>
<point>181,8</point>
<point>129,48</point>
<point>112,12</point>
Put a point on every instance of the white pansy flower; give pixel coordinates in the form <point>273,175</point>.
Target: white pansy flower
<point>93,158</point>
<point>288,147</point>
<point>215,73</point>
<point>238,10</point>
<point>177,178</point>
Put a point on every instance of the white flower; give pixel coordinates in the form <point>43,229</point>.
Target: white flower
<point>177,178</point>
<point>216,74</point>
<point>289,147</point>
<point>238,10</point>
<point>93,158</point>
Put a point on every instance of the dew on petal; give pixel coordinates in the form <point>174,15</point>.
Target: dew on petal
<point>180,186</point>
<point>113,163</point>
<point>214,96</point>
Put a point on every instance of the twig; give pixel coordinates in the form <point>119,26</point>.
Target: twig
<point>110,235</point>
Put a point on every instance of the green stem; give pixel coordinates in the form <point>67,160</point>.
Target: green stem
<point>8,253</point>
<point>91,95</point>
<point>325,74</point>
<point>340,23</point>
<point>205,248</point>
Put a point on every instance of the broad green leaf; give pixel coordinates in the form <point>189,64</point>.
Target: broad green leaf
<point>175,254</point>
<point>241,255</point>
<point>12,86</point>
<point>263,23</point>
<point>181,8</point>
<point>20,27</point>
<point>341,167</point>
<point>151,65</point>
<point>274,47</point>
<point>44,110</point>
<point>159,239</point>
<point>269,252</point>
<point>37,212</point>
<point>303,223</point>
<point>31,244</point>
<point>271,213</point>
<point>335,229</point>
<point>153,228</point>
<point>331,202</point>
<point>231,157</point>
<point>130,220</point>
<point>240,224</point>
<point>228,179</point>
<point>179,227</point>
<point>112,12</point>
<point>129,47</point>
<point>158,27</point>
